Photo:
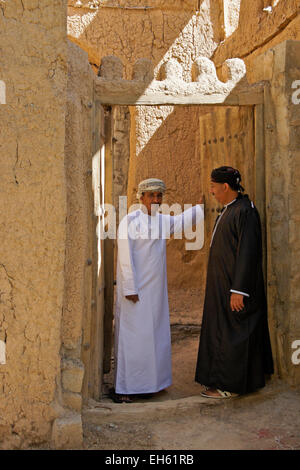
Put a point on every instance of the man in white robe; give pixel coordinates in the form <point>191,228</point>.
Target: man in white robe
<point>142,325</point>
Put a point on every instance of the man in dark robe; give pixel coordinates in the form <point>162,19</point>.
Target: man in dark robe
<point>234,351</point>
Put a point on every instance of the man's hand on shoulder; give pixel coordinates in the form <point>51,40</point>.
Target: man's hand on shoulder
<point>134,298</point>
<point>202,199</point>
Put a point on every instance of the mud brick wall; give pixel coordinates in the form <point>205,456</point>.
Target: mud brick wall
<point>33,215</point>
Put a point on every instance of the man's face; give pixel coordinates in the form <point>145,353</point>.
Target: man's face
<point>219,191</point>
<point>152,198</point>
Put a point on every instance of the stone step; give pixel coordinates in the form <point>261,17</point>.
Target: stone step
<point>106,411</point>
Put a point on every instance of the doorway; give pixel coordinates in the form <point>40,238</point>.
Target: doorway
<point>191,141</point>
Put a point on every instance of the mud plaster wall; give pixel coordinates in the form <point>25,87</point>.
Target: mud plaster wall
<point>282,136</point>
<point>167,29</point>
<point>78,273</point>
<point>257,30</point>
<point>33,215</point>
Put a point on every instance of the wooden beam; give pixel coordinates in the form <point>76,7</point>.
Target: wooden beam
<point>114,94</point>
<point>260,177</point>
<point>108,248</point>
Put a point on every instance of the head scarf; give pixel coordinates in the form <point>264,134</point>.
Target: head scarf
<point>227,174</point>
<point>151,184</point>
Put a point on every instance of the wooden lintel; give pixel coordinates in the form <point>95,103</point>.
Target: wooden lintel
<point>246,96</point>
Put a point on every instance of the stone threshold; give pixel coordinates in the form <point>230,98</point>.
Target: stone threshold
<point>141,411</point>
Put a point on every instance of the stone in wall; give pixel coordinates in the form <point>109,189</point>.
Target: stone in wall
<point>72,375</point>
<point>67,432</point>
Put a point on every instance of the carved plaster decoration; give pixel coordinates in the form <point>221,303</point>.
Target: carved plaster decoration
<point>204,87</point>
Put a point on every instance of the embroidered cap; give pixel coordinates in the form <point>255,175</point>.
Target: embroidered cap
<point>150,184</point>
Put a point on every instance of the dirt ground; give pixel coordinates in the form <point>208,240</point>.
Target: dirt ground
<point>267,422</point>
<point>186,306</point>
<point>180,419</point>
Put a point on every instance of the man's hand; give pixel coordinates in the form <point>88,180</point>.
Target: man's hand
<point>202,199</point>
<point>134,298</point>
<point>236,302</point>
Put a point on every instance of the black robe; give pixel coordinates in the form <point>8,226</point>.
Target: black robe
<point>235,351</point>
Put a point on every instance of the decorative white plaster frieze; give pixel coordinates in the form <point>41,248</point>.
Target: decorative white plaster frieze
<point>204,87</point>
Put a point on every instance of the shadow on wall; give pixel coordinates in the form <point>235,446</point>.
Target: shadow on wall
<point>192,139</point>
<point>164,30</point>
<point>261,25</point>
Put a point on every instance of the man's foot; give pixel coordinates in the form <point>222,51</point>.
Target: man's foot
<point>217,393</point>
<point>144,396</point>
<point>118,397</point>
<point>124,398</point>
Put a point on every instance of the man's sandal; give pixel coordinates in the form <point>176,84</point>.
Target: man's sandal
<point>221,394</point>
<point>118,397</point>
